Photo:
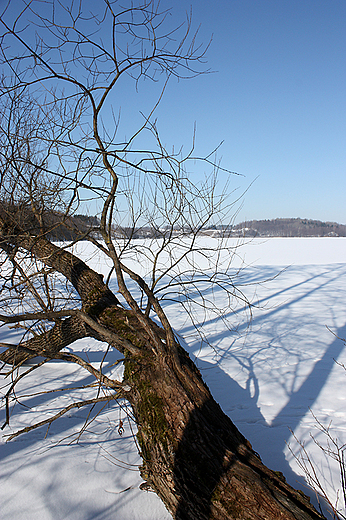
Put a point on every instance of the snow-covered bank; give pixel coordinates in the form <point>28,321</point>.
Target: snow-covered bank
<point>266,377</point>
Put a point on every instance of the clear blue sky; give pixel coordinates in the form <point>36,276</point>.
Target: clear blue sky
<point>277,99</point>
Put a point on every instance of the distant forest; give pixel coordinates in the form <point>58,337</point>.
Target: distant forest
<point>60,227</point>
<point>289,227</point>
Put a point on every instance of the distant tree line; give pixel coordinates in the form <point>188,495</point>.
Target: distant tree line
<point>289,227</point>
<point>54,224</point>
<point>62,228</point>
<point>280,227</point>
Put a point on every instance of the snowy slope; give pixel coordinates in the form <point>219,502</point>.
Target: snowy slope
<point>266,376</point>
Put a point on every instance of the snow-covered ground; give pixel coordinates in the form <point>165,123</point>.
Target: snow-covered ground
<point>266,376</point>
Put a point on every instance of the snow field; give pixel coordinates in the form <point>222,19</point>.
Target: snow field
<point>266,375</point>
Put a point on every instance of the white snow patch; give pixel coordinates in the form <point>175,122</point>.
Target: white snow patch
<point>266,378</point>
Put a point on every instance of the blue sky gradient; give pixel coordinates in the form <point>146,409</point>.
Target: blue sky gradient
<point>277,99</point>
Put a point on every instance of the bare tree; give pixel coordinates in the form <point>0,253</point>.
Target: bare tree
<point>61,147</point>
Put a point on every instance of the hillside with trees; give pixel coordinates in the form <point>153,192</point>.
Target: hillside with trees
<point>55,225</point>
<point>289,227</point>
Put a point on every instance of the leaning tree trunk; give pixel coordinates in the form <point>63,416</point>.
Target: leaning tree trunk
<point>194,457</point>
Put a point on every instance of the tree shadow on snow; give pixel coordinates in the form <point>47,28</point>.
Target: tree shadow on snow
<point>240,404</point>
<point>39,403</point>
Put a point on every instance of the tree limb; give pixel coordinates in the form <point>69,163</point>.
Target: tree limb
<point>49,421</point>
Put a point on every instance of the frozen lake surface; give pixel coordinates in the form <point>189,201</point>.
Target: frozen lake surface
<point>266,375</point>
